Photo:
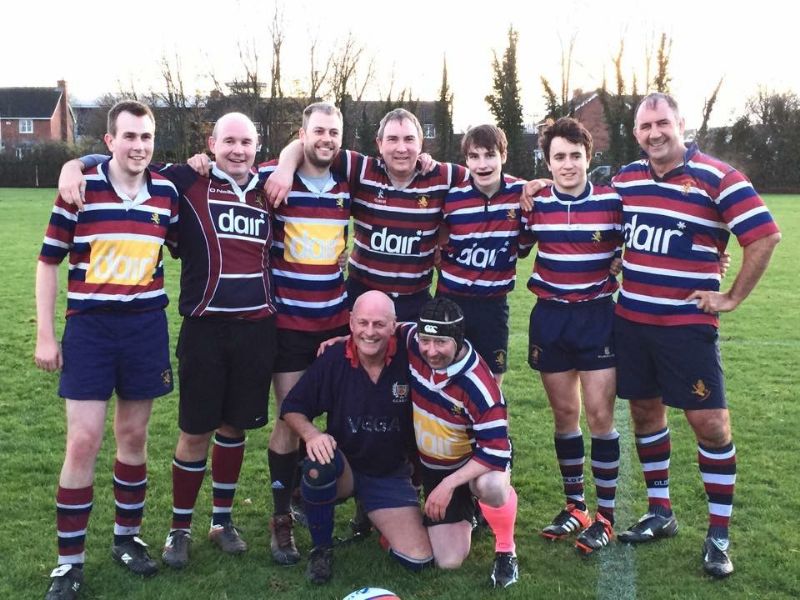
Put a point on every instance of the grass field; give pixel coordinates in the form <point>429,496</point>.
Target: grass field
<point>760,346</point>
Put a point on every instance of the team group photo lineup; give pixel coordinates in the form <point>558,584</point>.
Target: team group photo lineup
<point>334,330</point>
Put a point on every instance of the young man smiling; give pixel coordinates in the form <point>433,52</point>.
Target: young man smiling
<point>479,241</point>
<point>115,338</point>
<point>577,227</point>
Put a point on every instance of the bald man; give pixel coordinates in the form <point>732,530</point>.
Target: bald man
<point>226,346</point>
<point>362,385</point>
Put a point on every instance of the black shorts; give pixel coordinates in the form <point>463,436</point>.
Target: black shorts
<point>225,370</point>
<point>565,336</point>
<point>682,364</point>
<point>462,504</point>
<point>406,306</point>
<point>486,319</point>
<point>298,349</point>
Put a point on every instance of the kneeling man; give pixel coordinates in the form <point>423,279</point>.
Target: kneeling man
<point>362,386</point>
<point>461,426</point>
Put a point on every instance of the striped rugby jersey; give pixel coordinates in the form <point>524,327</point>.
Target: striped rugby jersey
<point>675,229</point>
<point>310,231</point>
<point>480,256</point>
<point>459,412</point>
<point>115,244</point>
<point>395,231</point>
<point>225,237</point>
<point>577,239</point>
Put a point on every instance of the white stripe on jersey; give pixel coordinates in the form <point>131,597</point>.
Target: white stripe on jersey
<point>706,167</point>
<point>576,257</point>
<point>306,304</point>
<point>115,297</point>
<point>469,210</point>
<point>486,234</point>
<point>425,232</point>
<point>390,273</point>
<point>228,236</point>
<point>577,227</point>
<point>125,237</point>
<point>655,299</point>
<point>54,242</point>
<point>480,282</point>
<point>709,249</point>
<point>490,424</point>
<point>237,309</point>
<point>306,276</point>
<point>396,209</point>
<point>747,215</point>
<point>670,272</point>
<point>568,286</point>
<point>65,213</point>
<point>311,221</point>
<point>241,275</point>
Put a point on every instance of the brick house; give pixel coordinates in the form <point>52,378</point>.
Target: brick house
<point>30,116</point>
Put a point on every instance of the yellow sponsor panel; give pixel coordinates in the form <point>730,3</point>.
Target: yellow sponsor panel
<point>123,262</point>
<point>312,244</point>
<point>438,440</point>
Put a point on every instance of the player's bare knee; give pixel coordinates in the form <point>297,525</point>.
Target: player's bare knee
<point>192,447</point>
<point>282,439</point>
<point>492,489</point>
<point>449,561</point>
<point>131,438</point>
<point>83,446</point>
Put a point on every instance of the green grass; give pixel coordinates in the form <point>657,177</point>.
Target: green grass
<point>760,344</point>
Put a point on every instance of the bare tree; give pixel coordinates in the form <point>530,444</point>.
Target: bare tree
<point>352,73</point>
<point>708,106</point>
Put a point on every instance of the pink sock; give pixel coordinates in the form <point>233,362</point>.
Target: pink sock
<point>502,521</point>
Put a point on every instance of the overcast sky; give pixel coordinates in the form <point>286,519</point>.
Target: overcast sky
<point>101,45</point>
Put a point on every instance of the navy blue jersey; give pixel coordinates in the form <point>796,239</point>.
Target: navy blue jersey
<point>371,422</point>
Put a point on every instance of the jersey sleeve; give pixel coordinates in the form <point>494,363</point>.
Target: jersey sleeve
<point>311,396</point>
<point>743,210</point>
<point>60,232</point>
<point>527,237</point>
<point>92,160</point>
<point>348,165</point>
<point>487,409</point>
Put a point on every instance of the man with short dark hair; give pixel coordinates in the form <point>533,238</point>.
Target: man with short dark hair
<point>479,240</point>
<point>115,338</point>
<point>680,207</point>
<point>577,227</point>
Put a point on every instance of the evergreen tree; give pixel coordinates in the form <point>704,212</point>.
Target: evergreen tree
<point>443,121</point>
<point>506,106</point>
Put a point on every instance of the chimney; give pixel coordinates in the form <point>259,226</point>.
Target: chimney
<point>63,111</point>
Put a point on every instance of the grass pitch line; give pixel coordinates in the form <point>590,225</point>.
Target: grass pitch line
<point>616,579</point>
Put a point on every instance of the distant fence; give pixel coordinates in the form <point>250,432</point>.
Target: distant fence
<point>39,167</point>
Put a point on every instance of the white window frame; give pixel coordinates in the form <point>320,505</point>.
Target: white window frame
<point>26,125</point>
<point>428,131</point>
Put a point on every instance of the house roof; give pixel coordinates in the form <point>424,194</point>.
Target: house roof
<point>28,103</point>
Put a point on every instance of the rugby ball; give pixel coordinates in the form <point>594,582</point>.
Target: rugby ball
<point>371,593</point>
